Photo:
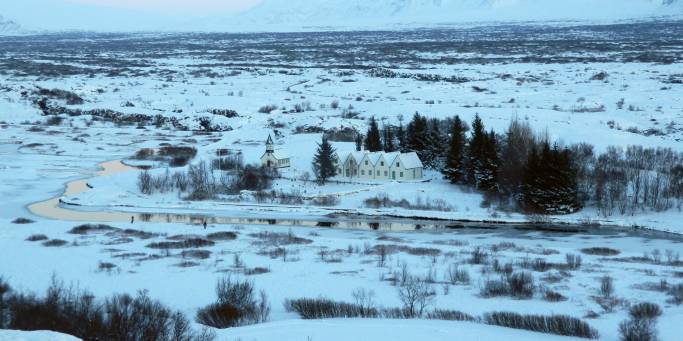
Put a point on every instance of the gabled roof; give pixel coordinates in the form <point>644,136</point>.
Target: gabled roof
<point>390,157</point>
<point>280,154</point>
<point>411,160</point>
<point>269,140</point>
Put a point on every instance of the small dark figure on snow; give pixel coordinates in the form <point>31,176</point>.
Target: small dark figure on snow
<point>132,219</point>
<point>205,224</point>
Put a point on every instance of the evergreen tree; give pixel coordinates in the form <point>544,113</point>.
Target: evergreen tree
<point>488,171</point>
<point>388,139</point>
<point>435,151</point>
<point>373,141</point>
<point>416,136</point>
<point>550,185</point>
<point>324,161</point>
<point>519,139</point>
<point>454,169</point>
<point>475,153</point>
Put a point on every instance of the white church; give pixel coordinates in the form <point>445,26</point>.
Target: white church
<point>379,166</point>
<point>273,158</point>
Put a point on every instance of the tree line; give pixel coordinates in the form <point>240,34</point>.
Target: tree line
<point>527,171</point>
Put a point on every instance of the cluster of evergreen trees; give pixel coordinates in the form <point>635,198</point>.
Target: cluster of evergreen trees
<point>523,169</point>
<point>517,166</point>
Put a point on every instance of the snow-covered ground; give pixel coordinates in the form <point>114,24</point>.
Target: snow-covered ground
<point>37,159</point>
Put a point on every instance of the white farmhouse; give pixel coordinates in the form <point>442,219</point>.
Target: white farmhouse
<point>379,166</point>
<point>274,158</point>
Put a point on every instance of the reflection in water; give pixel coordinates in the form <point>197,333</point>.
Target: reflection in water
<point>54,209</point>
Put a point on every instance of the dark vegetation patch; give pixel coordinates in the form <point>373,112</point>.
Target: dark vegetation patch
<point>553,324</point>
<point>600,251</point>
<point>36,237</point>
<point>55,243</point>
<point>184,244</point>
<point>227,235</point>
<point>92,228</point>
<point>237,304</point>
<point>79,313</point>
<point>196,254</point>
<point>22,221</point>
<point>277,238</point>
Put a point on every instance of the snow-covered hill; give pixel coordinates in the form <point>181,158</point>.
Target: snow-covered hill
<point>8,26</point>
<point>361,13</point>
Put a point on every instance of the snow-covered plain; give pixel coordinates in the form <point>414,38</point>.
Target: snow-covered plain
<point>37,159</point>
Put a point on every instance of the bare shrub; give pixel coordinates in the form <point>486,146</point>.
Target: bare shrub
<point>676,293</point>
<point>55,243</point>
<point>216,236</point>
<point>455,275</point>
<point>22,221</point>
<point>78,313</point>
<point>606,286</point>
<point>320,308</point>
<point>449,315</point>
<point>416,295</point>
<point>600,251</point>
<point>521,285</point>
<point>638,330</point>
<point>36,238</point>
<point>495,288</point>
<point>553,296</point>
<point>267,109</point>
<point>553,324</point>
<point>479,256</point>
<point>237,305</point>
<point>91,228</point>
<point>645,311</point>
<point>183,244</point>
<point>573,261</point>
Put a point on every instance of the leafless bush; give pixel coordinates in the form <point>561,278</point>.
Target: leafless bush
<point>55,243</point>
<point>36,238</point>
<point>553,324</point>
<point>182,244</point>
<point>449,315</point>
<point>638,330</point>
<point>573,261</point>
<point>645,311</point>
<point>676,293</point>
<point>416,295</point>
<point>479,256</point>
<point>237,305</point>
<point>456,276</point>
<point>600,251</point>
<point>78,313</point>
<point>267,109</point>
<point>606,286</point>
<point>320,308</point>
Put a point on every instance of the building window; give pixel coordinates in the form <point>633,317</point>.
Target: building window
<point>398,164</point>
<point>370,172</point>
<point>386,173</point>
<point>401,174</point>
<point>381,163</point>
<point>366,162</point>
<point>362,172</point>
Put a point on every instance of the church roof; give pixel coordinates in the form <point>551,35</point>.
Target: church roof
<point>269,140</point>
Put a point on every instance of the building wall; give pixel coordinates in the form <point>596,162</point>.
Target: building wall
<point>283,163</point>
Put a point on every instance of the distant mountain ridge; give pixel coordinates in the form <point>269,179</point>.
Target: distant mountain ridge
<point>362,13</point>
<point>8,26</point>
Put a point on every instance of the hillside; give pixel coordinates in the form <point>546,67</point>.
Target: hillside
<point>277,14</point>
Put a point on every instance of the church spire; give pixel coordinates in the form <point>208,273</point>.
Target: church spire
<point>269,145</point>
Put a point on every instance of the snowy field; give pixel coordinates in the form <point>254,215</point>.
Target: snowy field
<point>611,91</point>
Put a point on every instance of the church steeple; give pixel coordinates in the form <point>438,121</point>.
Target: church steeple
<point>269,145</point>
